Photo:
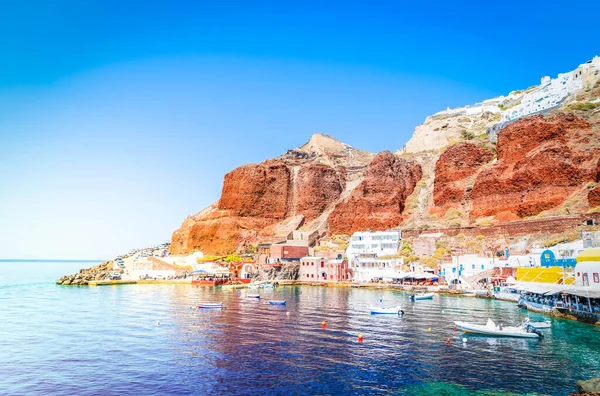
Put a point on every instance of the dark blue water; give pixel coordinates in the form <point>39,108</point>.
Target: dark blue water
<point>105,340</point>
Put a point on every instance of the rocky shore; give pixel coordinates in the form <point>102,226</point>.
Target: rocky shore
<point>84,276</point>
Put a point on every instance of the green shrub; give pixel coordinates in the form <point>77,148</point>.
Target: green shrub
<point>467,135</point>
<point>582,106</point>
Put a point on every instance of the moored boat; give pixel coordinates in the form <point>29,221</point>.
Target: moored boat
<point>253,295</point>
<point>381,310</point>
<point>546,324</point>
<point>491,329</point>
<point>277,302</point>
<point>210,305</point>
<point>422,296</point>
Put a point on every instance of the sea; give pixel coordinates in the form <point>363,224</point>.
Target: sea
<point>153,340</point>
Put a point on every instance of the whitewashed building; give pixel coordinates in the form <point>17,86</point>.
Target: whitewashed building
<point>468,265</point>
<point>379,243</point>
<point>587,270</point>
<point>368,269</point>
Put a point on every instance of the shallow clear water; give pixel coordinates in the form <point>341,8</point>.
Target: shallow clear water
<point>104,340</point>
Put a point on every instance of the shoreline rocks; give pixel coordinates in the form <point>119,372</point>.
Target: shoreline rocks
<point>84,276</point>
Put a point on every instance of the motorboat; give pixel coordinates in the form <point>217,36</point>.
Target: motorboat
<point>422,296</point>
<point>491,329</point>
<point>470,295</point>
<point>277,302</point>
<point>390,311</point>
<point>253,295</point>
<point>546,324</point>
<point>210,305</point>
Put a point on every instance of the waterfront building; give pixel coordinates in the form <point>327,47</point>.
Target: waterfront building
<point>320,269</point>
<point>587,269</point>
<point>369,269</point>
<point>288,251</point>
<point>467,266</point>
<point>379,243</point>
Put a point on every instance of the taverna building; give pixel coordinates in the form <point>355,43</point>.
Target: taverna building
<point>367,253</point>
<point>320,269</point>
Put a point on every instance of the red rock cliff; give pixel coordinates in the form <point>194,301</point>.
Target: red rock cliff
<point>255,197</point>
<point>453,170</point>
<point>377,203</point>
<point>542,161</point>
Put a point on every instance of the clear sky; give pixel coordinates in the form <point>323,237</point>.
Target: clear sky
<point>120,118</point>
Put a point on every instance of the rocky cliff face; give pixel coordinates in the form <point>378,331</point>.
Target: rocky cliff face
<point>454,172</point>
<point>378,202</point>
<point>539,166</point>
<point>542,162</point>
<point>273,198</point>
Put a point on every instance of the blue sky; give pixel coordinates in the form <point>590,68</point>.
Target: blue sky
<point>119,119</point>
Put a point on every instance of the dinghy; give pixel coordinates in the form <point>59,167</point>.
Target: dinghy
<point>210,305</point>
<point>546,324</point>
<point>491,329</point>
<point>382,310</point>
<point>277,302</point>
<point>253,295</point>
<point>421,296</point>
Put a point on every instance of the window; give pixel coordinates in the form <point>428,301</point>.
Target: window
<point>312,275</point>
<point>453,270</point>
<point>312,263</point>
<point>322,264</point>
<point>482,266</point>
<point>596,277</point>
<point>473,266</point>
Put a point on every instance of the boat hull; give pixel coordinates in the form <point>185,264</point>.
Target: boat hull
<point>426,296</point>
<point>386,311</point>
<point>210,305</point>
<point>276,302</point>
<point>485,330</point>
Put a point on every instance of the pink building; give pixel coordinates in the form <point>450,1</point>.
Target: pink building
<point>323,270</point>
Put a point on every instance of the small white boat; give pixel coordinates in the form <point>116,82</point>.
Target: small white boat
<point>469,294</point>
<point>546,324</point>
<point>422,296</point>
<point>253,295</point>
<point>490,328</point>
<point>277,302</point>
<point>210,305</point>
<point>381,310</point>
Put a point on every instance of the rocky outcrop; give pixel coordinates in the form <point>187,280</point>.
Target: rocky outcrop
<point>84,276</point>
<point>594,197</point>
<point>317,187</point>
<point>257,191</point>
<point>454,169</point>
<point>264,200</point>
<point>591,386</point>
<point>541,162</point>
<point>378,202</point>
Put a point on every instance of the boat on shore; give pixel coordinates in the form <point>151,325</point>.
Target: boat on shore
<point>421,296</point>
<point>253,295</point>
<point>386,311</point>
<point>210,305</point>
<point>277,302</point>
<point>491,329</point>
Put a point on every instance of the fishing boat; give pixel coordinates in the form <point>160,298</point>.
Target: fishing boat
<point>469,294</point>
<point>210,305</point>
<point>253,295</point>
<point>390,311</point>
<point>277,302</point>
<point>546,324</point>
<point>421,296</point>
<point>491,329</point>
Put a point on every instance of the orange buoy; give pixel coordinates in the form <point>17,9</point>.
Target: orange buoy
<point>324,324</point>
<point>448,341</point>
<point>454,328</point>
<point>360,338</point>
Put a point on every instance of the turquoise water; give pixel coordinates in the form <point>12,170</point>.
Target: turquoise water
<point>77,340</point>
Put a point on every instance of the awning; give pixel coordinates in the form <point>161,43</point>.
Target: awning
<point>589,255</point>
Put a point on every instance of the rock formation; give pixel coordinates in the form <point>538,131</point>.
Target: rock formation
<point>273,198</point>
<point>541,162</point>
<point>84,276</point>
<point>454,170</point>
<point>378,202</point>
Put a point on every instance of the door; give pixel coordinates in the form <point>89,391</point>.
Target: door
<point>586,281</point>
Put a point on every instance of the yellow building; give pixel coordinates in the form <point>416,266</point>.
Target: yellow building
<point>545,275</point>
